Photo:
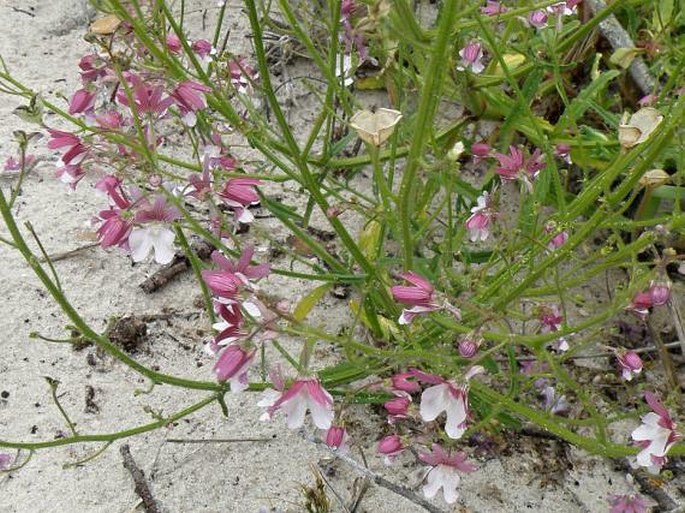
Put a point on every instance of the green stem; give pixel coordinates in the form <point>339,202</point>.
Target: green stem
<point>430,93</point>
<point>81,325</point>
<point>110,437</point>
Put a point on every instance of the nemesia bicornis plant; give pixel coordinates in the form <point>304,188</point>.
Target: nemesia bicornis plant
<point>466,240</point>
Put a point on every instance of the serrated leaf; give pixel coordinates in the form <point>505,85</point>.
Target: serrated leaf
<point>308,302</point>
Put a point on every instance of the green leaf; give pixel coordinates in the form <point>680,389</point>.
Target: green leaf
<point>582,102</point>
<point>309,301</point>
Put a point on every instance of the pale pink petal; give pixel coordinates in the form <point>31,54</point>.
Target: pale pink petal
<point>434,401</point>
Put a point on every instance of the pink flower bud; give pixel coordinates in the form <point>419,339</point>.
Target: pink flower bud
<point>480,149</point>
<point>468,348</point>
<point>630,363</point>
<point>401,382</point>
<point>398,407</point>
<point>538,19</point>
<point>82,101</point>
<point>336,438</point>
<point>232,362</point>
<point>391,447</point>
<point>660,292</point>
<point>173,43</point>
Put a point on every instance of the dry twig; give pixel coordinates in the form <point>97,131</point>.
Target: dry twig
<point>180,263</point>
<point>141,486</point>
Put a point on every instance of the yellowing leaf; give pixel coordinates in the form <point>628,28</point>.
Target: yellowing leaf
<point>624,57</point>
<point>369,239</point>
<point>512,60</point>
<point>309,301</point>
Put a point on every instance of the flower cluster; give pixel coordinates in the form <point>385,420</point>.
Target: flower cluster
<point>235,349</point>
<point>437,396</point>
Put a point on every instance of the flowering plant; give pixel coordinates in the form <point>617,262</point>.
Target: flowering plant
<point>466,269</point>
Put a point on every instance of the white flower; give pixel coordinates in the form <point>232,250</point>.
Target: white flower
<point>156,237</point>
<point>450,398</point>
<point>656,435</point>
<point>444,472</point>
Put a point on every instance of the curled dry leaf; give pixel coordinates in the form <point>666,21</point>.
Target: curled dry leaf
<point>639,127</point>
<point>654,178</point>
<point>105,25</point>
<point>375,127</point>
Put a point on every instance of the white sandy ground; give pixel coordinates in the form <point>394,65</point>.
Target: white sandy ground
<point>43,50</point>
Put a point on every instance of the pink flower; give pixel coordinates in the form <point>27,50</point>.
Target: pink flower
<point>641,304</point>
<point>510,166</point>
<point>538,19</point>
<point>550,318</point>
<point>115,228</point>
<point>630,363</point>
<point>230,326</point>
<point>398,407</point>
<point>472,57</point>
<point>480,151</point>
<point>189,99</point>
<point>630,503</point>
<point>336,438</point>
<point>563,151</point>
<point>656,435</point>
<point>5,461</point>
<point>558,240</point>
<point>401,382</point>
<point>148,99</point>
<point>76,150</point>
<point>111,185</point>
<point>478,224</point>
<point>233,365</point>
<point>173,43</point>
<point>419,296</point>
<point>82,102</point>
<point>12,164</point>
<point>648,101</point>
<point>222,284</point>
<point>242,269</point>
<point>493,8</point>
<point>69,175</point>
<point>92,68</point>
<point>240,193</point>
<point>468,347</point>
<point>390,446</point>
<point>242,74</point>
<point>445,472</point>
<point>110,120</point>
<point>567,8</point>
<point>516,166</point>
<point>203,48</point>
<point>305,394</point>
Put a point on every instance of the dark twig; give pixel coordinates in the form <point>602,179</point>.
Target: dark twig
<point>666,503</point>
<point>179,264</point>
<point>24,11</point>
<point>68,254</point>
<point>141,486</point>
<point>401,490</point>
